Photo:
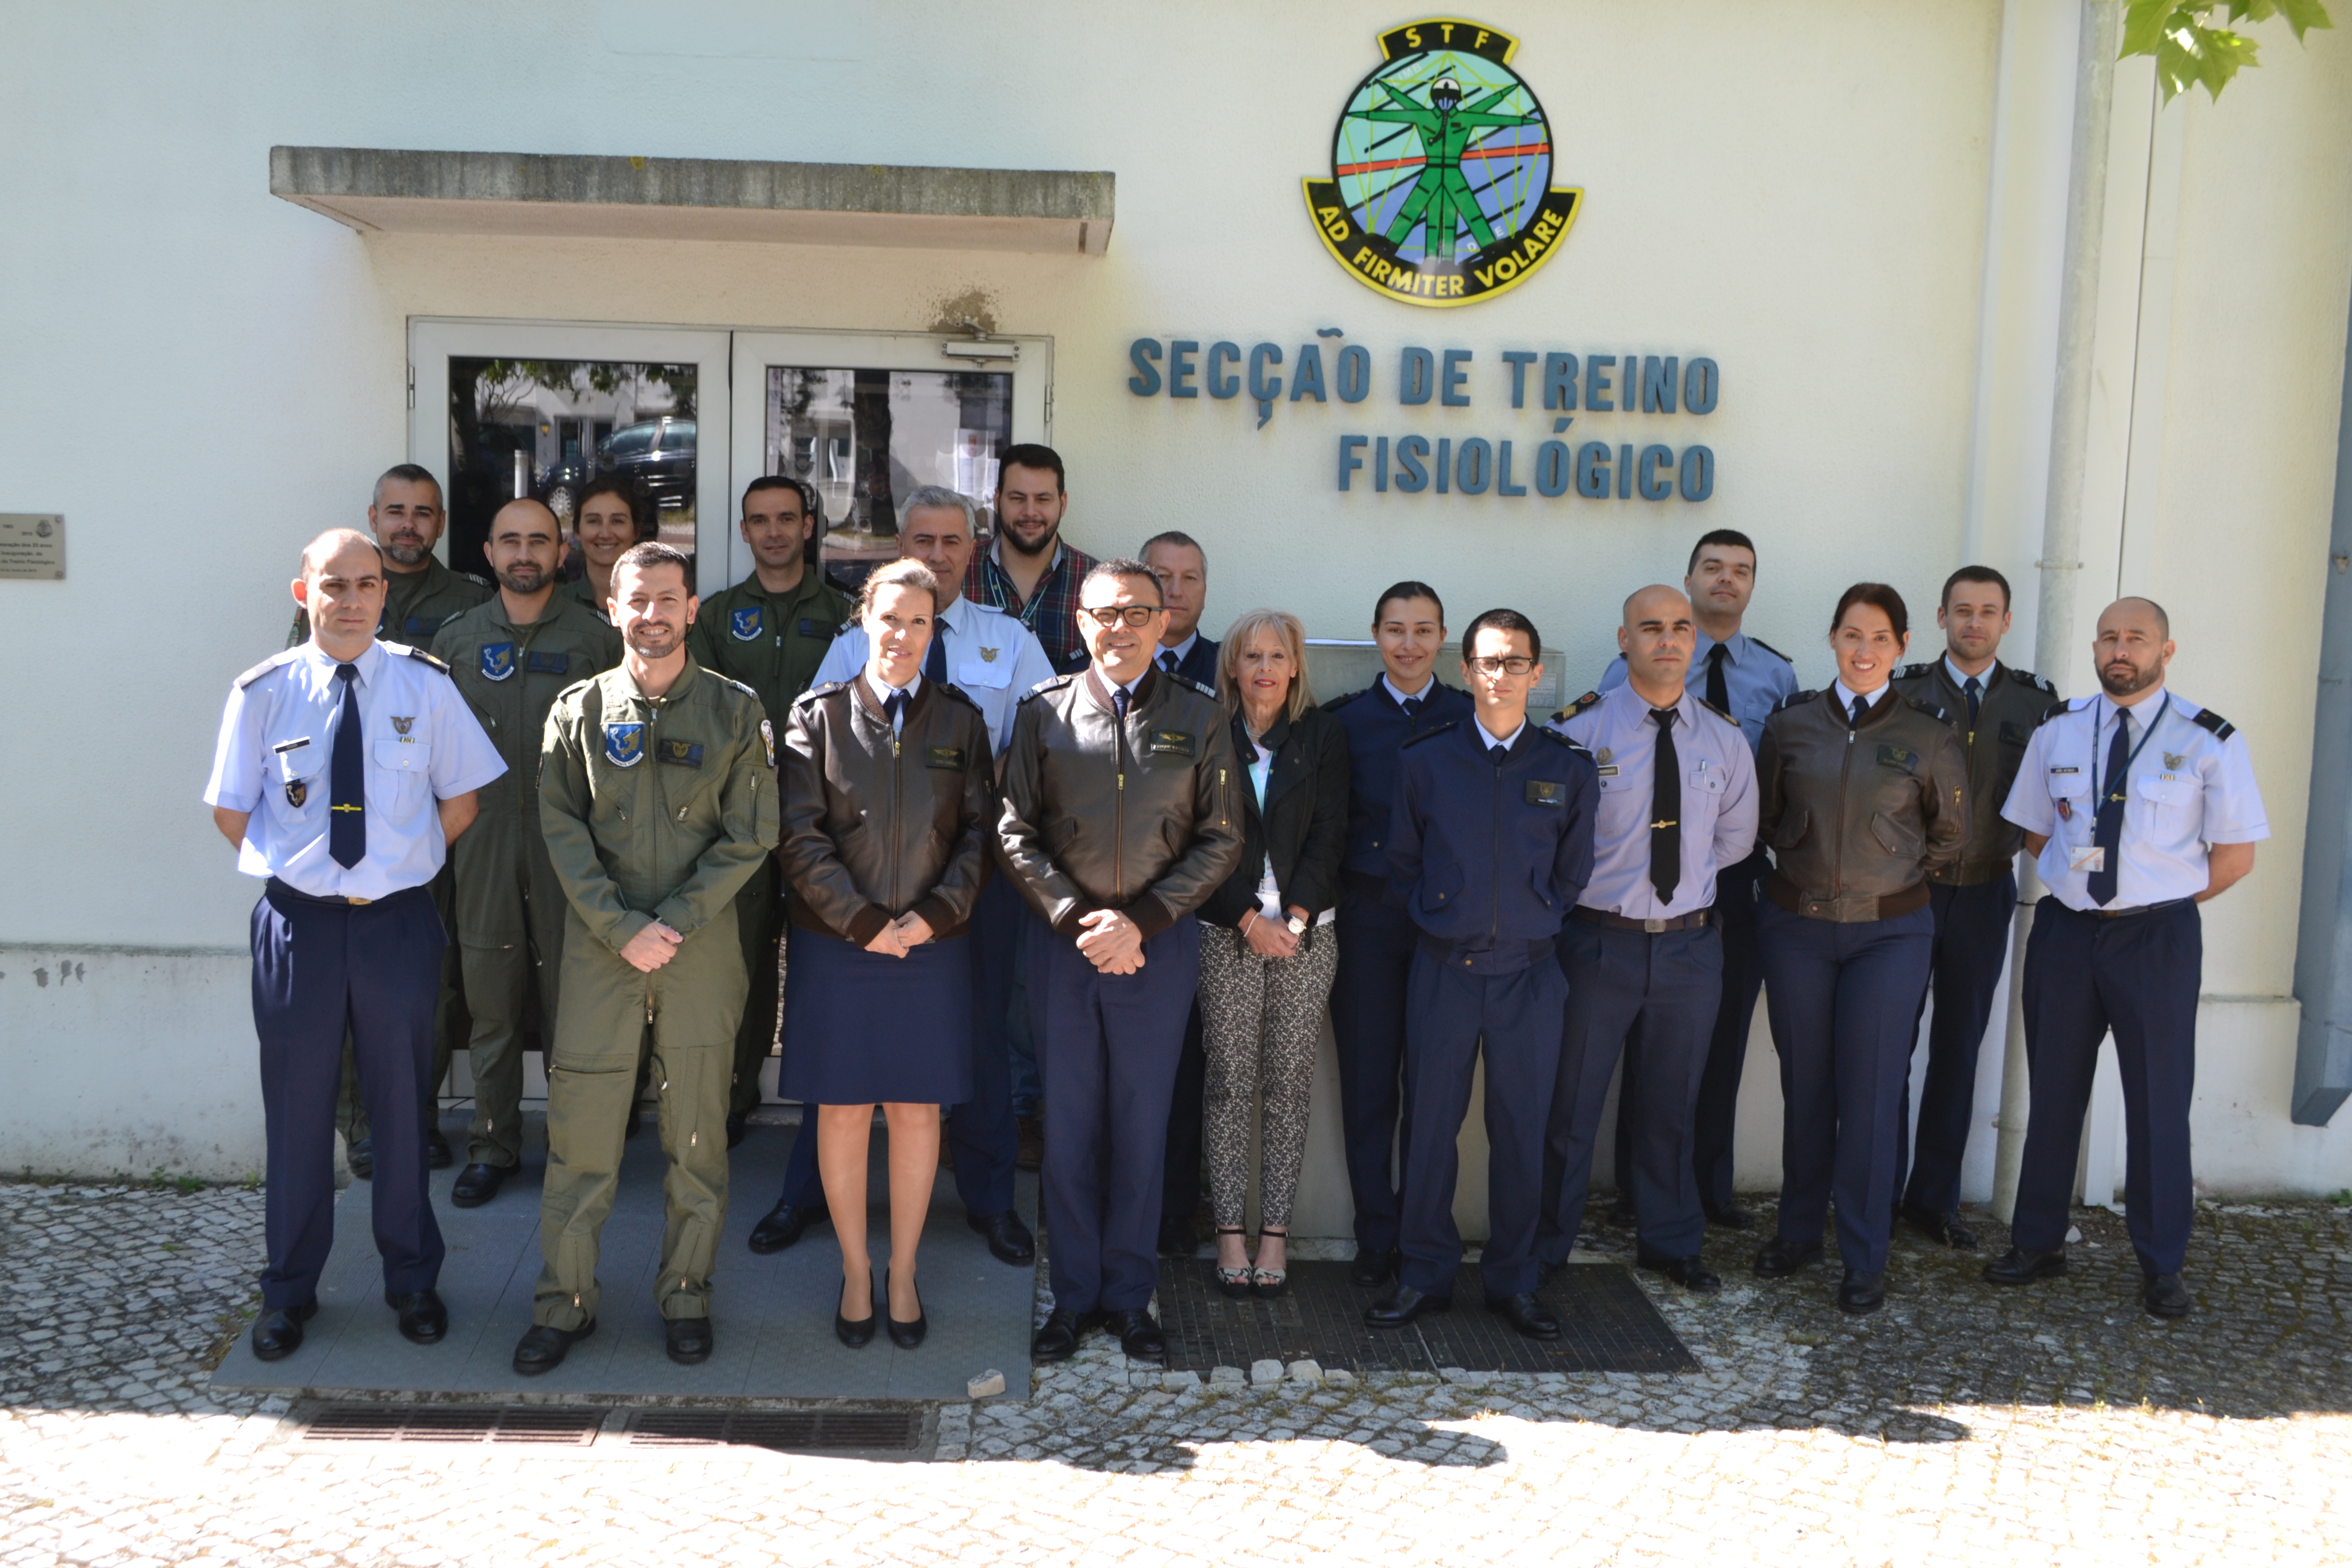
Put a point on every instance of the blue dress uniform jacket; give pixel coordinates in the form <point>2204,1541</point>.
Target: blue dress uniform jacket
<point>1376,943</point>
<point>1488,856</point>
<point>2134,965</point>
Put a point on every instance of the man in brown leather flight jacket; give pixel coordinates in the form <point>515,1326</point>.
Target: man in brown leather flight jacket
<point>1118,821</point>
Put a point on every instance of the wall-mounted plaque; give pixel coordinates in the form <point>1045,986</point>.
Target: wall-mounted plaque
<point>33,545</point>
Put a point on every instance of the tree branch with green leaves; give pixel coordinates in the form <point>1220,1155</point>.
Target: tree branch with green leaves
<point>2190,51</point>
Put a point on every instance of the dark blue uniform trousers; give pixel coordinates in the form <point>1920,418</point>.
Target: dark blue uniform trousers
<point>1368,1011</point>
<point>1735,901</point>
<point>1971,946</point>
<point>1107,1051</point>
<point>1179,1189</point>
<point>1843,1000</point>
<point>318,969</point>
<point>1636,993</point>
<point>982,1136</point>
<point>1452,1012</point>
<point>2136,975</point>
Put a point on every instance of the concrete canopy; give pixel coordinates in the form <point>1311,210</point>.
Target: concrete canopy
<point>373,189</point>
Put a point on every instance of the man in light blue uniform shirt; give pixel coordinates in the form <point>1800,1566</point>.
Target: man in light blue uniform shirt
<point>344,767</point>
<point>1746,677</point>
<point>2137,805</point>
<point>995,661</point>
<point>1641,953</point>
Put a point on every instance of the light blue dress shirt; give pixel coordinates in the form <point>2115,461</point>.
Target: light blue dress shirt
<point>993,658</point>
<point>422,744</point>
<point>1718,811</point>
<point>1757,679</point>
<point>2187,788</point>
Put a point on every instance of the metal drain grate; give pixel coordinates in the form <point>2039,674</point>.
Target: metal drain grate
<point>542,1424</point>
<point>891,1431</point>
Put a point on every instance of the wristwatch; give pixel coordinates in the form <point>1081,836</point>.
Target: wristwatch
<point>1298,925</point>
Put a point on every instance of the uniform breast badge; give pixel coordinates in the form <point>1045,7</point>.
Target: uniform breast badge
<point>624,745</point>
<point>744,625</point>
<point>498,660</point>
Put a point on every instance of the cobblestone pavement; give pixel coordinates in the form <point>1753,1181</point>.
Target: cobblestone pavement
<point>2055,1425</point>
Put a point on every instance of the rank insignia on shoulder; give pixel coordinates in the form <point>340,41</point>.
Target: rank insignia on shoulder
<point>1170,743</point>
<point>421,656</point>
<point>624,745</point>
<point>273,662</point>
<point>1915,671</point>
<point>949,757</point>
<point>2208,720</point>
<point>681,753</point>
<point>1574,708</point>
<point>498,660</point>
<point>1767,648</point>
<point>744,625</point>
<point>768,739</point>
<point>1544,792</point>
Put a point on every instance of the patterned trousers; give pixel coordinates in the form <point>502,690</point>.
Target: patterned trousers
<point>1260,1021</point>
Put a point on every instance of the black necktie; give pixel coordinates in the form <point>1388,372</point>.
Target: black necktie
<point>1861,711</point>
<point>347,779</point>
<point>935,663</point>
<point>1501,754</point>
<point>1718,689</point>
<point>1168,660</point>
<point>1975,689</point>
<point>2108,835</point>
<point>1665,810</point>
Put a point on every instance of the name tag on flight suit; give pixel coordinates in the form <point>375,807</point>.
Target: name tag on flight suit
<point>1901,757</point>
<point>679,753</point>
<point>1541,791</point>
<point>950,757</point>
<point>1175,742</point>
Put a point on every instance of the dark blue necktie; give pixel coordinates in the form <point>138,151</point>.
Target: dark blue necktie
<point>935,663</point>
<point>2108,835</point>
<point>1168,660</point>
<point>1975,689</point>
<point>1412,706</point>
<point>1119,700</point>
<point>1861,711</point>
<point>347,779</point>
<point>1501,754</point>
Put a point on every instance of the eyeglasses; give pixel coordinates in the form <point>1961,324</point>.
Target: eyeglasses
<point>1136,616</point>
<point>1517,664</point>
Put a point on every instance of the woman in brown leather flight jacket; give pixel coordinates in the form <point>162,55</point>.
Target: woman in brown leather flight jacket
<point>1863,791</point>
<point>889,796</point>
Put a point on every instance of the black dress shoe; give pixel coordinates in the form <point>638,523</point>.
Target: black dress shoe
<point>423,1316</point>
<point>688,1340</point>
<point>438,1156</point>
<point>2019,1267</point>
<point>2164,1296</point>
<point>1530,1317</point>
<point>1782,1257</point>
<point>1944,1229</point>
<point>1030,1152</point>
<point>278,1334</point>
<point>1861,1291</point>
<point>1176,1237</point>
<point>1008,1238</point>
<point>1057,1337</point>
<point>781,1226</point>
<point>360,1158</point>
<point>1373,1265</point>
<point>543,1349</point>
<point>1724,1217</point>
<point>478,1184</point>
<point>738,1123</point>
<point>909,1334</point>
<point>1138,1334</point>
<point>1402,1305</point>
<point>1691,1273</point>
<point>859,1334</point>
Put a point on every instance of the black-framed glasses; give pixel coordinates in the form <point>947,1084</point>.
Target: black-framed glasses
<point>1516,664</point>
<point>1136,616</point>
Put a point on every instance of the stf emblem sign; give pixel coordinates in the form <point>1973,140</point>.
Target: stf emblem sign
<point>1441,187</point>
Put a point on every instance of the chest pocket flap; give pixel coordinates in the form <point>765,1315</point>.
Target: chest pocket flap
<point>1708,783</point>
<point>978,669</point>
<point>301,763</point>
<point>403,754</point>
<point>2163,791</point>
<point>2071,784</point>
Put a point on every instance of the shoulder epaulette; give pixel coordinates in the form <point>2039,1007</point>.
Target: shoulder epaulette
<point>1934,710</point>
<point>1446,729</point>
<point>1204,689</point>
<point>266,666</point>
<point>421,656</point>
<point>2052,712</point>
<point>1343,699</point>
<point>1775,652</point>
<point>1794,698</point>
<point>826,689</point>
<point>1915,673</point>
<point>2207,719</point>
<point>731,680</point>
<point>950,688</point>
<point>1711,707</point>
<point>2028,678</point>
<point>1054,684</point>
<point>1574,708</point>
<point>1557,738</point>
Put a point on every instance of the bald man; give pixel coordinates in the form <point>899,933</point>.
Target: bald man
<point>510,656</point>
<point>1643,951</point>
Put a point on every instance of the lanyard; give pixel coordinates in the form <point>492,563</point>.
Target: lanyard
<point>2145,736</point>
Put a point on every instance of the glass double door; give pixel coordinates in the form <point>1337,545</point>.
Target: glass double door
<point>669,425</point>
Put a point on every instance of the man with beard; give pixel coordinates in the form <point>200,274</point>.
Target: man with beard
<point>771,632</point>
<point>1029,572</point>
<point>406,517</point>
<point>657,799</point>
<point>510,657</point>
<point>2138,805</point>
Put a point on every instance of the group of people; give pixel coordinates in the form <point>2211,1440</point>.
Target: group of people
<point>1026,843</point>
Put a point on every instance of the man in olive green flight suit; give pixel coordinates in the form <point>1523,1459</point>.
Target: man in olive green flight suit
<point>406,517</point>
<point>771,632</point>
<point>510,657</point>
<point>656,798</point>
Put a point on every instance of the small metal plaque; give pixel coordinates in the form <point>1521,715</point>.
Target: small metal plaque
<point>33,546</point>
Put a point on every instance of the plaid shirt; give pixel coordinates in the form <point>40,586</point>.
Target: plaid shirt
<point>1052,613</point>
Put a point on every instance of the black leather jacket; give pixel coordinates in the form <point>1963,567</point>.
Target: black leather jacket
<point>1303,828</point>
<point>1858,816</point>
<point>2011,706</point>
<point>876,824</point>
<point>1139,817</point>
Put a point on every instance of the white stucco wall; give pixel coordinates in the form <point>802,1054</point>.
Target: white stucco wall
<point>201,375</point>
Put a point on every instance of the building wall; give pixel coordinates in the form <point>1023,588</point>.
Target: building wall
<point>1798,191</point>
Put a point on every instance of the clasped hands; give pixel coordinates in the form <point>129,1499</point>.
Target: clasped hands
<point>1112,943</point>
<point>901,936</point>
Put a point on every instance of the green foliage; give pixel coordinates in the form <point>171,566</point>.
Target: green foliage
<point>2189,52</point>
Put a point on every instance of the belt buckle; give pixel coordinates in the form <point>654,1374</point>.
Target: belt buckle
<point>359,901</point>
<point>1653,925</point>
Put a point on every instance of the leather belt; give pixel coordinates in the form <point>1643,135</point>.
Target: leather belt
<point>2135,909</point>
<point>334,901</point>
<point>1694,920</point>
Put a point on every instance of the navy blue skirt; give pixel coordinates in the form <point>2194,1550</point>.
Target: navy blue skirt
<point>863,1029</point>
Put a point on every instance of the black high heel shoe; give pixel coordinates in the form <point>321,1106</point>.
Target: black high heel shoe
<point>910,1334</point>
<point>859,1334</point>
